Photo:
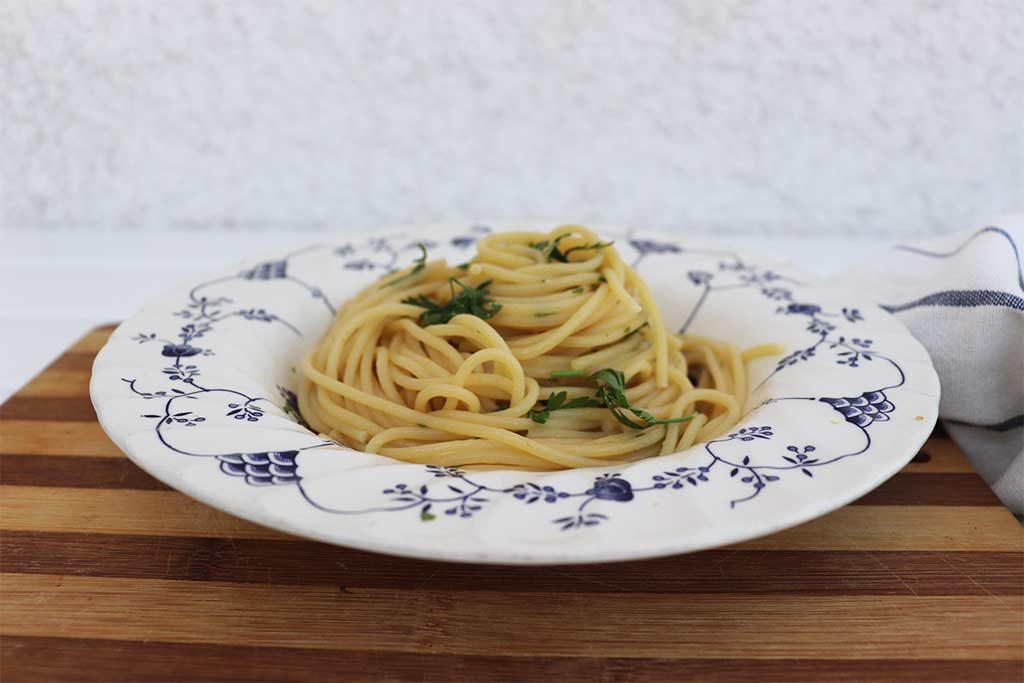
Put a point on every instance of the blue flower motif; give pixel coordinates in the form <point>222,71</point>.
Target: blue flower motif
<point>270,270</point>
<point>531,493</point>
<point>852,314</point>
<point>183,373</point>
<point>244,411</point>
<point>463,241</point>
<point>871,406</point>
<point>361,264</point>
<point>180,350</point>
<point>259,314</point>
<point>700,277</point>
<point>652,247</point>
<point>801,309</point>
<point>777,293</point>
<point>261,469</point>
<point>818,326</point>
<point>444,471</point>
<point>612,488</point>
<point>751,433</point>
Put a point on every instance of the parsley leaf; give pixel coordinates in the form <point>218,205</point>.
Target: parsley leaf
<point>551,252</point>
<point>630,333</point>
<point>470,300</point>
<point>586,247</point>
<point>556,401</point>
<point>612,394</point>
<point>418,265</point>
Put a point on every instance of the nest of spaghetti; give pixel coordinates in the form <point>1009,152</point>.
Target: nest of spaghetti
<point>545,351</point>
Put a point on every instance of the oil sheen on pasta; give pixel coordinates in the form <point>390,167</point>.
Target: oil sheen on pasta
<point>387,379</point>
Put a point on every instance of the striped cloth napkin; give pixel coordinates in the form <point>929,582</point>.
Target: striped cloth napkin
<point>962,296</point>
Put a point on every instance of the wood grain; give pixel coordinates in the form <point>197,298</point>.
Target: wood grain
<point>730,570</point>
<point>58,384</point>
<point>479,622</point>
<point>92,341</point>
<point>116,472</point>
<point>169,513</point>
<point>107,575</point>
<point>51,437</point>
<point>102,661</point>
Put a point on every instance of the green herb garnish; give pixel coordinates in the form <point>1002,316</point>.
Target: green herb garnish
<point>630,333</point>
<point>612,394</point>
<point>586,247</point>
<point>577,290</point>
<point>471,301</point>
<point>559,374</point>
<point>418,265</point>
<point>556,401</point>
<point>551,252</point>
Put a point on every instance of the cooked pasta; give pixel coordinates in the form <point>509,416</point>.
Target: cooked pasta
<point>545,351</point>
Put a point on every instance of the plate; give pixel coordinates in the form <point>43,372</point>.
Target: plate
<point>198,389</point>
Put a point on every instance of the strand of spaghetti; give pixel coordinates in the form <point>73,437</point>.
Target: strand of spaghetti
<point>690,433</point>
<point>551,339</point>
<point>473,388</point>
<point>454,395</point>
<point>657,332</point>
<point>455,426</point>
<point>501,357</point>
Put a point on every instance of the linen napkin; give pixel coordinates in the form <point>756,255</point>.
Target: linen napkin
<point>962,296</point>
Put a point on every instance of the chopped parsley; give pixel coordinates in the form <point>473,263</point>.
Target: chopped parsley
<point>630,333</point>
<point>551,252</point>
<point>470,300</point>
<point>556,401</point>
<point>577,290</point>
<point>418,265</point>
<point>611,394</point>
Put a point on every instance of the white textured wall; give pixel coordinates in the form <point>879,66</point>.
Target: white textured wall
<point>851,115</point>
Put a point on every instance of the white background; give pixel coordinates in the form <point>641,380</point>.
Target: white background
<point>143,141</point>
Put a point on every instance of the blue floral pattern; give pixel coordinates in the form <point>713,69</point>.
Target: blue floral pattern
<point>749,457</point>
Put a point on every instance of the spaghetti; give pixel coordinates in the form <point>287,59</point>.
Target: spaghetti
<point>546,351</point>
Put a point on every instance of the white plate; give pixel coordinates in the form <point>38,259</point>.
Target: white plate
<point>197,389</point>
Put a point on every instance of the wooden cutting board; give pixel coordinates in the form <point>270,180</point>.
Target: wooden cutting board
<point>109,575</point>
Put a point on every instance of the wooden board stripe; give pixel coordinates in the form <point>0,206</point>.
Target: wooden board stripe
<point>908,488</point>
<point>93,340</point>
<point>121,473</point>
<point>715,571</point>
<point>154,513</point>
<point>939,455</point>
<point>58,383</point>
<point>169,513</point>
<point>74,409</point>
<point>101,661</point>
<point>49,437</point>
<point>68,375</point>
<point>541,623</point>
<point>73,362</point>
<point>95,473</point>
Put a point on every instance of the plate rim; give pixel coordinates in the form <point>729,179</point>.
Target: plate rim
<point>663,545</point>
